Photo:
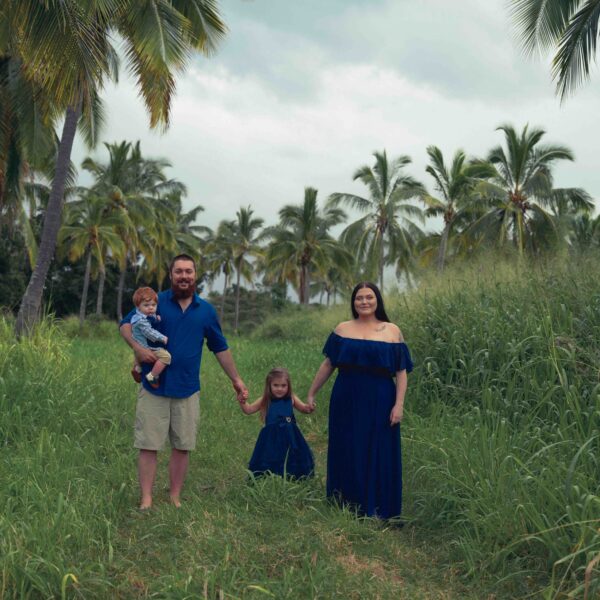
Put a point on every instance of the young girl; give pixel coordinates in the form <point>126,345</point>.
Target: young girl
<point>281,447</point>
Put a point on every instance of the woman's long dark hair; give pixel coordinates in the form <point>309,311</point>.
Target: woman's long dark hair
<point>380,313</point>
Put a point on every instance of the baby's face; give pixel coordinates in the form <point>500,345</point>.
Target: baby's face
<point>279,387</point>
<point>147,307</point>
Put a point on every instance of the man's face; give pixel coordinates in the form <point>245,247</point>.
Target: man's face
<point>183,278</point>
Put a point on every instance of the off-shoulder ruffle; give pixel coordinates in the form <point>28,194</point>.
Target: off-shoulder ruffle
<point>368,353</point>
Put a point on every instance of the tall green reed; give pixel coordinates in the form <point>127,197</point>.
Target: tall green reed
<point>504,415</point>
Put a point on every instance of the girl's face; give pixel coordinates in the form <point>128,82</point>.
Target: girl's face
<point>147,307</point>
<point>279,387</point>
<point>365,302</point>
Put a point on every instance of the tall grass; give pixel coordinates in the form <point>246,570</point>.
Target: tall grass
<point>504,419</point>
<point>500,440</point>
<point>69,526</point>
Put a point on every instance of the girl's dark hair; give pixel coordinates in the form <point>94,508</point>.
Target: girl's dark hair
<point>380,313</point>
<point>276,373</point>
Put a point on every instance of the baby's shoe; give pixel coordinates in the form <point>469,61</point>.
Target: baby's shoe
<point>136,373</point>
<point>153,381</point>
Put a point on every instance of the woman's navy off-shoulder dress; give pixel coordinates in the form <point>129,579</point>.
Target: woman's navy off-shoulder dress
<point>364,461</point>
<point>281,447</point>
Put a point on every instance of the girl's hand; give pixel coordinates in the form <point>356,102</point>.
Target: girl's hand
<point>396,415</point>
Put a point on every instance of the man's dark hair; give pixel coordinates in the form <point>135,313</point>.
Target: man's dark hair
<point>380,313</point>
<point>181,257</point>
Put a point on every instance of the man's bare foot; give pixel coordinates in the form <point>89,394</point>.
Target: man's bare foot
<point>146,504</point>
<point>175,501</point>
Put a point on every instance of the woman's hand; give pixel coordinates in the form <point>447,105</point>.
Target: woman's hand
<point>397,414</point>
<point>310,401</point>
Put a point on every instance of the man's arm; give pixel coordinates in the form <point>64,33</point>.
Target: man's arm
<point>225,359</point>
<point>142,354</point>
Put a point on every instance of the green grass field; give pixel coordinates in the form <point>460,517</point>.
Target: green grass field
<point>500,441</point>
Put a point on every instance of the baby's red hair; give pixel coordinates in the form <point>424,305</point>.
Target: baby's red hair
<point>144,294</point>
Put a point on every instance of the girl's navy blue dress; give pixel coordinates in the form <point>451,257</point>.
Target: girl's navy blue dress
<point>281,447</point>
<point>364,461</point>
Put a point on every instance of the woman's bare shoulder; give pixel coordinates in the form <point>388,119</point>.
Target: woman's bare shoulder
<point>397,334</point>
<point>343,327</point>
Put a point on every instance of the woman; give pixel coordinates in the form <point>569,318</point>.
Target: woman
<point>364,463</point>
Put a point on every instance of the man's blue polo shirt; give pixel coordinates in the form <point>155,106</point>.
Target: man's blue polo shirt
<point>186,332</point>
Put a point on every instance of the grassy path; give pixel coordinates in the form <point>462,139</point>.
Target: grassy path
<point>271,538</point>
<point>70,527</point>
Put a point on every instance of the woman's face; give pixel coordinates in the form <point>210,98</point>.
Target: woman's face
<point>365,302</point>
<point>279,387</point>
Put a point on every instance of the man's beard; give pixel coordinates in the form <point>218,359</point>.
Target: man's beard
<point>182,294</point>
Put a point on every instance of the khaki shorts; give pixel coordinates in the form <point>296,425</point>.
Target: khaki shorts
<point>160,417</point>
<point>162,355</point>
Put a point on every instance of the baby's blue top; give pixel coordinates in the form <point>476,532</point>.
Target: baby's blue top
<point>142,329</point>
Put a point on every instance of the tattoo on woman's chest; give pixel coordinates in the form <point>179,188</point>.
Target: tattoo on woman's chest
<point>381,328</point>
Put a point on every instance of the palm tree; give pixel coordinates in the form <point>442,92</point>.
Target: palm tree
<point>89,232</point>
<point>301,243</point>
<point>387,229</point>
<point>68,52</point>
<point>132,183</point>
<point>567,209</point>
<point>28,145</point>
<point>172,232</point>
<point>219,257</point>
<point>585,233</point>
<point>520,184</point>
<point>329,281</point>
<point>455,187</point>
<point>245,244</point>
<point>568,26</point>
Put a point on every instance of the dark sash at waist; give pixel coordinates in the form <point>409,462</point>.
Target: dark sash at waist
<point>378,371</point>
<point>280,420</point>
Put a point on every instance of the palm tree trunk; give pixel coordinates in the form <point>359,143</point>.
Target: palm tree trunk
<point>120,289</point>
<point>328,296</point>
<point>301,286</point>
<point>237,302</point>
<point>86,285</point>
<point>222,309</point>
<point>32,299</point>
<point>520,232</point>
<point>100,297</point>
<point>304,285</point>
<point>443,247</point>
<point>381,269</point>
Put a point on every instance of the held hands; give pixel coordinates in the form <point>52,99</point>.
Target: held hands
<point>310,402</point>
<point>306,408</point>
<point>241,390</point>
<point>396,415</point>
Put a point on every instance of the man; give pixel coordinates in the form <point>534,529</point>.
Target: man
<point>171,409</point>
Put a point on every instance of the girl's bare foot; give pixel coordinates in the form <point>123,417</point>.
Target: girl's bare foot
<point>146,504</point>
<point>175,501</point>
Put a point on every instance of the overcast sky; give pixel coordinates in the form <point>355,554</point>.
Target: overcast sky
<point>302,93</point>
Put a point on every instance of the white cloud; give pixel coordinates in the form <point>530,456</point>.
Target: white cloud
<point>239,136</point>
